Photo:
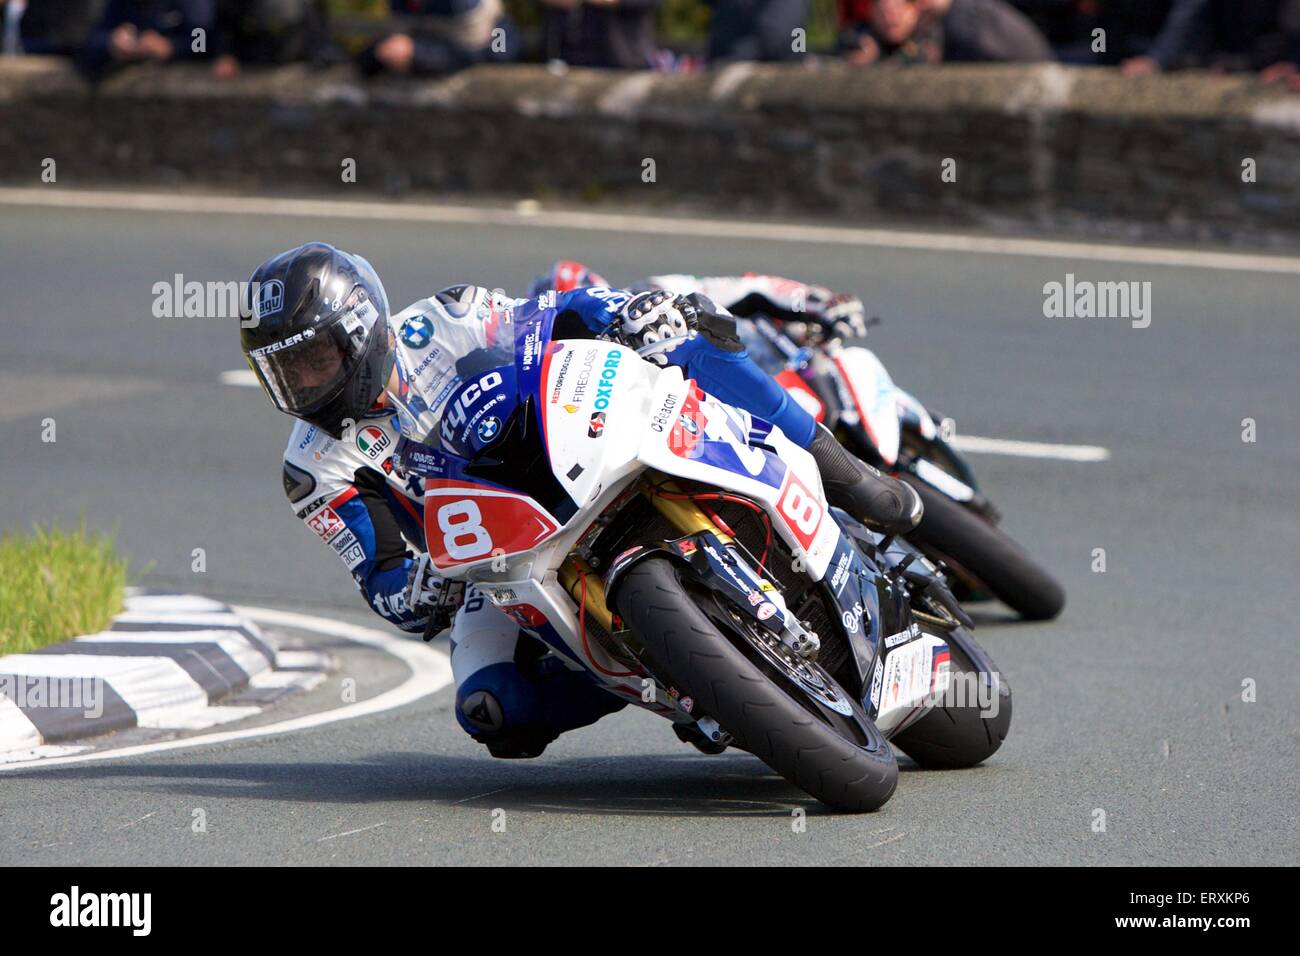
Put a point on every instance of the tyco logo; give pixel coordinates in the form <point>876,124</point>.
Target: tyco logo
<point>457,413</point>
<point>597,426</point>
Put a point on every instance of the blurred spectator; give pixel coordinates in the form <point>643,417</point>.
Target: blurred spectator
<point>1219,34</point>
<point>135,30</point>
<point>267,32</point>
<point>11,18</point>
<point>1068,26</point>
<point>444,36</point>
<point>603,33</point>
<point>755,29</point>
<point>947,31</point>
<point>47,26</point>
<point>1287,70</point>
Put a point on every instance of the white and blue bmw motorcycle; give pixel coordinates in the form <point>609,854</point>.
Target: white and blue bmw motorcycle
<point>683,554</point>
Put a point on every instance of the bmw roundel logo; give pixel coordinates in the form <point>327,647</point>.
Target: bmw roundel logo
<point>488,429</point>
<point>417,332</point>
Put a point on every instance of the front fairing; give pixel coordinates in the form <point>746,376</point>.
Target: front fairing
<point>529,442</point>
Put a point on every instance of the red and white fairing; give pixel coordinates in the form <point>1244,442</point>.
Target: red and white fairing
<point>875,398</point>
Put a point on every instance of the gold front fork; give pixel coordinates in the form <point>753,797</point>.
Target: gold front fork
<point>571,575</point>
<point>686,516</point>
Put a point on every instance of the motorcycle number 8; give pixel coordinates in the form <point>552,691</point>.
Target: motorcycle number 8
<point>459,521</point>
<point>802,509</point>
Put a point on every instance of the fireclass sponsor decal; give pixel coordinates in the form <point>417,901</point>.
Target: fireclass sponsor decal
<point>583,377</point>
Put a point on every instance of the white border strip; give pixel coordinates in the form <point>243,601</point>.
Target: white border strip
<point>530,214</point>
<point>1028,449</point>
<point>430,672</point>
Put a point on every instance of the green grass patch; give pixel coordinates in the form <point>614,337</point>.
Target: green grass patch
<point>57,584</point>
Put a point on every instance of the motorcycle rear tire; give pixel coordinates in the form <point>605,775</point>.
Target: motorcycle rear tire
<point>955,534</point>
<point>953,737</point>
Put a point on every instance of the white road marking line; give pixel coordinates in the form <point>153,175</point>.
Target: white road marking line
<point>749,231</point>
<point>141,820</point>
<point>42,751</point>
<point>1028,449</point>
<point>480,796</point>
<point>210,717</point>
<point>175,605</point>
<point>430,672</point>
<point>335,836</point>
<point>238,376</point>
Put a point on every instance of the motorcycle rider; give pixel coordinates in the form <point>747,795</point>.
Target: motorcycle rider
<point>806,311</point>
<point>326,350</point>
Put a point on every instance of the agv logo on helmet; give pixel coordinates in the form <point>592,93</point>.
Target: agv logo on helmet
<point>270,298</point>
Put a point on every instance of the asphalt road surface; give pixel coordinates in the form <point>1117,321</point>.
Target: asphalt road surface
<point>1132,703</point>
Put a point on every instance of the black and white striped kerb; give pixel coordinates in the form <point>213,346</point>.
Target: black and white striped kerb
<point>164,663</point>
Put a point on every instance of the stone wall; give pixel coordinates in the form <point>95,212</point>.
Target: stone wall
<point>1038,148</point>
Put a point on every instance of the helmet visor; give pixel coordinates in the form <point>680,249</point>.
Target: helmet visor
<point>307,369</point>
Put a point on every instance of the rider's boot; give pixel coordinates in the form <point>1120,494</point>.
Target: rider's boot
<point>883,503</point>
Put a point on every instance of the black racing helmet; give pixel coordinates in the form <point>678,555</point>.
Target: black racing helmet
<point>318,340</point>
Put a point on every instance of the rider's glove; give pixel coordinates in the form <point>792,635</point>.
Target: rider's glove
<point>653,317</point>
<point>839,314</point>
<point>438,596</point>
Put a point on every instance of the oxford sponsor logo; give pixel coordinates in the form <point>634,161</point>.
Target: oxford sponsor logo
<point>85,694</point>
<point>605,386</point>
<point>182,299</point>
<point>73,909</point>
<point>1100,300</point>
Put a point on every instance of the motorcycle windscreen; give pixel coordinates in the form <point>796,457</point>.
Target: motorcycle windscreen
<point>484,393</point>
